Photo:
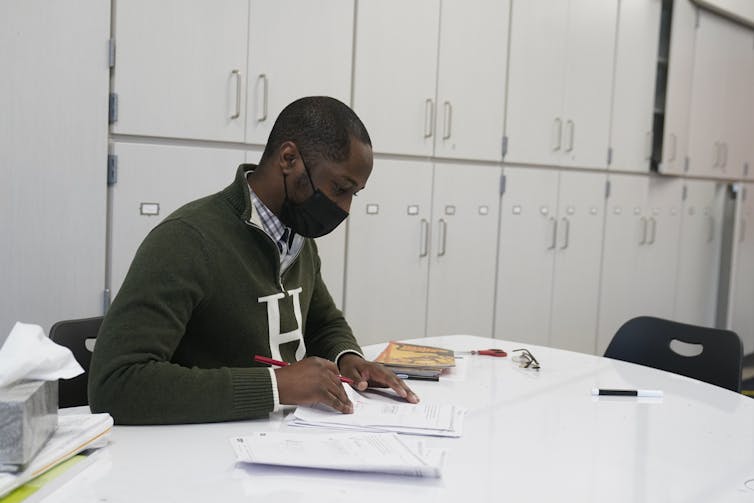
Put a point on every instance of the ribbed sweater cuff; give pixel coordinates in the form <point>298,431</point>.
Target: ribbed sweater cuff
<point>252,392</point>
<point>340,349</point>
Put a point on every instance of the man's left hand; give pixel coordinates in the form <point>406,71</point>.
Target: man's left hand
<point>365,374</point>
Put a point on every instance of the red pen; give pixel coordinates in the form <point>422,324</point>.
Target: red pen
<point>278,363</point>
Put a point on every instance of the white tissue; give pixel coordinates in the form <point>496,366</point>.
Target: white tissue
<point>28,354</point>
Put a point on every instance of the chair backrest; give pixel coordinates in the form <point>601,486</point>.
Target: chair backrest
<point>647,341</point>
<point>79,337</point>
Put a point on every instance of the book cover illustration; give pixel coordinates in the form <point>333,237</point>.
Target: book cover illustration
<point>400,354</point>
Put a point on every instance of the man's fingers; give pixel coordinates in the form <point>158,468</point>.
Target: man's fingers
<point>341,404</point>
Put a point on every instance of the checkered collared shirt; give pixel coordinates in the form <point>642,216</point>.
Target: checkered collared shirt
<point>279,233</point>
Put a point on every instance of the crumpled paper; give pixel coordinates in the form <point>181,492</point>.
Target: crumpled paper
<point>28,354</point>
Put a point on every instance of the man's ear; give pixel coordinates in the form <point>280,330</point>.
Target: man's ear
<point>287,155</point>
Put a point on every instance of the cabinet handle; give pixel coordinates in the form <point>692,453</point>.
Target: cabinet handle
<point>554,234</point>
<point>262,108</point>
<point>717,155</point>
<point>447,120</point>
<point>442,226</point>
<point>648,145</point>
<point>711,234</point>
<point>674,143</point>
<point>653,233</point>
<point>424,238</point>
<point>558,124</point>
<point>237,75</point>
<point>571,132</point>
<point>643,239</point>
<point>724,149</point>
<point>566,233</point>
<point>429,118</point>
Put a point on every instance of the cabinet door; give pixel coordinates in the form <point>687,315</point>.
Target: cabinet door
<point>388,253</point>
<point>528,222</point>
<point>658,259</point>
<point>153,181</point>
<point>296,48</point>
<point>180,67</point>
<point>471,90</point>
<point>576,278</point>
<point>634,90</point>
<point>626,233</point>
<point>53,151</point>
<point>699,254</point>
<point>395,73</point>
<point>741,314</point>
<point>706,131</point>
<point>465,208</point>
<point>588,82</point>
<point>738,103</point>
<point>534,121</point>
<point>675,141</point>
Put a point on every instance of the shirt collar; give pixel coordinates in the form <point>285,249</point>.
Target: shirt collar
<point>271,224</point>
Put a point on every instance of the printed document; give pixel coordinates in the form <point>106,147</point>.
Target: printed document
<point>443,420</point>
<point>369,452</point>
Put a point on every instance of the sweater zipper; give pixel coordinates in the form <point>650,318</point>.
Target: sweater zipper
<point>279,271</point>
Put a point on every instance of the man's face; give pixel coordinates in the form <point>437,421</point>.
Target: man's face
<point>338,181</point>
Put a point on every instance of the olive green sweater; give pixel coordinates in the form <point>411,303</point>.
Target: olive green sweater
<point>178,342</point>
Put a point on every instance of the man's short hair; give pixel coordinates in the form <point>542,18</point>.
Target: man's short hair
<point>320,126</point>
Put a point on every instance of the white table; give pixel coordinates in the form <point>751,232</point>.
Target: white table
<point>529,436</point>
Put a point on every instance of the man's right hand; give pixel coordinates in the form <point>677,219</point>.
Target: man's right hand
<point>310,381</point>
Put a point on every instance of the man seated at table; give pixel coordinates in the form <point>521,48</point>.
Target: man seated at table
<point>236,274</point>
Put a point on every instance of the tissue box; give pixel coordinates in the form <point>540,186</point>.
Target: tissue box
<point>28,418</point>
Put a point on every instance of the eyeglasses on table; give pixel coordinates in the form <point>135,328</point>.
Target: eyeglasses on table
<point>525,359</point>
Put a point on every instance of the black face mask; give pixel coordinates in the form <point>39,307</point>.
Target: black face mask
<point>315,217</point>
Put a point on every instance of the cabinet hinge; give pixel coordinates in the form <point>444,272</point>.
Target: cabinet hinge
<point>111,53</point>
<point>684,193</point>
<point>609,155</point>
<point>502,184</point>
<point>607,189</point>
<point>112,169</point>
<point>686,163</point>
<point>113,108</point>
<point>105,300</point>
<point>504,146</point>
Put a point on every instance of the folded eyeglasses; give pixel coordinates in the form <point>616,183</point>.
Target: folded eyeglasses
<point>525,359</point>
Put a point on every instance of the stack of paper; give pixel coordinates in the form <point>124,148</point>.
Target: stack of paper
<point>369,452</point>
<point>444,420</point>
<point>75,433</point>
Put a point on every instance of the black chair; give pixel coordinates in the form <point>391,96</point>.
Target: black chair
<point>79,337</point>
<point>647,341</point>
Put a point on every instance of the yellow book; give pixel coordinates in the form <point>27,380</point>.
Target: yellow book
<point>401,354</point>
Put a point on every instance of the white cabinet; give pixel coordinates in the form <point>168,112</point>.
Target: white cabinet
<point>680,67</point>
<point>395,71</point>
<point>53,153</point>
<point>429,77</point>
<point>560,82</point>
<point>180,68</point>
<point>699,253</point>
<point>296,48</point>
<point>720,145</point>
<point>642,224</point>
<point>473,55</point>
<point>465,207</point>
<point>388,253</point>
<point>740,312</point>
<point>419,267</point>
<point>153,181</point>
<point>634,87</point>
<point>550,242</point>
